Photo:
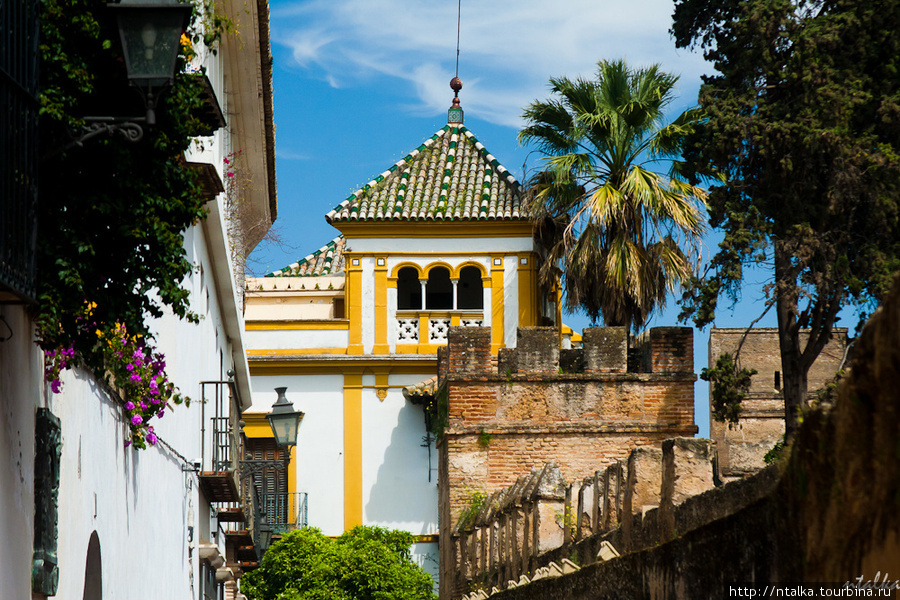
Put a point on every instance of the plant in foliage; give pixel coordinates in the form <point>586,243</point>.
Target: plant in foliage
<point>365,563</point>
<point>729,387</point>
<point>802,125</point>
<point>623,233</point>
<point>111,214</point>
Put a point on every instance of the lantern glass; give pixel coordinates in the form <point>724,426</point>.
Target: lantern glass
<point>284,420</point>
<point>151,36</point>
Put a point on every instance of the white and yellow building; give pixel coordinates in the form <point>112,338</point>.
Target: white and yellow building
<point>440,239</point>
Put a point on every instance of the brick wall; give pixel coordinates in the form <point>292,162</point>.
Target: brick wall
<point>503,421</point>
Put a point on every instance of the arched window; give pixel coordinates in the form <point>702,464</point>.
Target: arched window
<point>439,290</point>
<point>470,294</point>
<point>409,292</point>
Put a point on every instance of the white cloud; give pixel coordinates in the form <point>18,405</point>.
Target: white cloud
<point>508,48</point>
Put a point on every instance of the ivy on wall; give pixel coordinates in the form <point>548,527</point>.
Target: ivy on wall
<point>112,214</point>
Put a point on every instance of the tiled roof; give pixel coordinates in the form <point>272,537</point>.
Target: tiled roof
<point>327,260</point>
<point>451,177</point>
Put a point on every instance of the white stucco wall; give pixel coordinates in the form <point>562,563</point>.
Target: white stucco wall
<point>319,460</point>
<point>142,504</point>
<point>437,245</point>
<point>368,303</point>
<point>396,490</point>
<point>292,339</point>
<point>510,300</point>
<point>20,392</point>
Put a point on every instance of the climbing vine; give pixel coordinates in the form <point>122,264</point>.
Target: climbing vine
<point>111,253</point>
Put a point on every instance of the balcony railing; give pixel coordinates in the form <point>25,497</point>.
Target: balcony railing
<point>431,327</point>
<point>284,511</point>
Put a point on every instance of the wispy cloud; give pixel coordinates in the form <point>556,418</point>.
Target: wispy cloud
<point>509,48</point>
<point>290,155</point>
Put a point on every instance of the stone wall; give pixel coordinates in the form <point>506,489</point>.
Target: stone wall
<point>828,512</point>
<point>498,423</point>
<point>543,522</point>
<point>742,446</point>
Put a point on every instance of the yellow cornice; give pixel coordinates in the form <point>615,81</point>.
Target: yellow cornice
<point>430,229</point>
<point>294,352</point>
<point>296,324</point>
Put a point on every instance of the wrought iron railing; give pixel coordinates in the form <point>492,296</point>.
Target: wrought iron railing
<point>224,446</point>
<point>18,149</point>
<point>284,511</point>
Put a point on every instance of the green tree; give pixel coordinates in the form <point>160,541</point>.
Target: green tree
<point>623,233</point>
<point>365,563</point>
<point>803,129</point>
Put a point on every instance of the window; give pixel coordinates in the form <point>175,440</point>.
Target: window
<point>409,292</point>
<point>439,290</point>
<point>270,483</point>
<point>469,289</point>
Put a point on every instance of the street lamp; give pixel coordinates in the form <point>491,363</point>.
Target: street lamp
<point>285,421</point>
<point>151,34</point>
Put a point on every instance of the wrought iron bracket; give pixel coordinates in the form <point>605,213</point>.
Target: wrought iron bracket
<point>129,129</point>
<point>252,467</point>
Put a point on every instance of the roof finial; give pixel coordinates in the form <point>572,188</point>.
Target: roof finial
<point>455,114</point>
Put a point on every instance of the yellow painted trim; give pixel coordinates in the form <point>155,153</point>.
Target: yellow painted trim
<point>395,272</point>
<point>381,310</point>
<point>498,302</point>
<point>295,325</point>
<point>353,492</point>
<point>256,425</point>
<point>429,348</point>
<point>354,304</point>
<point>292,482</point>
<point>407,348</point>
<point>294,351</point>
<point>439,264</point>
<point>428,229</point>
<point>528,291</point>
<point>455,273</point>
<point>426,539</point>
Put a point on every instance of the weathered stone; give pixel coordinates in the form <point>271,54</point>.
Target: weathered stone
<point>605,349</point>
<point>537,350</point>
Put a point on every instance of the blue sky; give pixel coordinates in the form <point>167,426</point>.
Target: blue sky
<point>360,83</point>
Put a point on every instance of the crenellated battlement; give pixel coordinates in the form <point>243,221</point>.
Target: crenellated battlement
<point>605,350</point>
<point>503,416</point>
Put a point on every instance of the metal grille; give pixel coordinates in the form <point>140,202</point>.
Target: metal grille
<point>222,443</point>
<point>18,148</point>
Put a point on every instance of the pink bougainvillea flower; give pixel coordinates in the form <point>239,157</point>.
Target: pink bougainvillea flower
<point>55,385</point>
<point>129,405</point>
<point>137,420</point>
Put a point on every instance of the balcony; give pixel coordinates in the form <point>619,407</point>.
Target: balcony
<point>219,484</point>
<point>430,327</point>
<point>285,512</point>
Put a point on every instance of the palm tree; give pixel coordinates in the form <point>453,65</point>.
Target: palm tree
<point>624,234</point>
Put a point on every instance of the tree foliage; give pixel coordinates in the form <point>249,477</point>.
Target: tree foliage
<point>729,387</point>
<point>623,233</point>
<point>802,128</point>
<point>111,213</point>
<point>365,563</point>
